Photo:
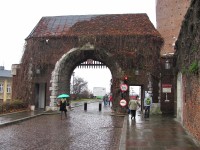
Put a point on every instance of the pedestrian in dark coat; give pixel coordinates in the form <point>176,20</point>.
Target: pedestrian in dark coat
<point>63,108</point>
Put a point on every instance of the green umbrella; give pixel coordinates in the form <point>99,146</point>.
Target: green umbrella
<point>63,96</point>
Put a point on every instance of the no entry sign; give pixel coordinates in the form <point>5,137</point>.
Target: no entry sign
<point>123,102</point>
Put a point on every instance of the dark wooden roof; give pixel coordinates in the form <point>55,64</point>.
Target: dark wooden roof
<point>94,25</point>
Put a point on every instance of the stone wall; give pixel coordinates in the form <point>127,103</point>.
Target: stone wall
<point>188,62</point>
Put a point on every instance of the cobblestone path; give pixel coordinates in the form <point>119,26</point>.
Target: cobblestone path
<point>81,130</point>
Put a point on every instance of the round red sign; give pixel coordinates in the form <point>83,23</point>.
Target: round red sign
<point>123,102</point>
<point>124,87</point>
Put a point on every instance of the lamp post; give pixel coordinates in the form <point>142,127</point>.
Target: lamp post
<point>168,57</point>
<point>167,64</point>
<point>137,72</point>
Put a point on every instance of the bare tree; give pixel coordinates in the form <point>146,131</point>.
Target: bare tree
<point>79,87</point>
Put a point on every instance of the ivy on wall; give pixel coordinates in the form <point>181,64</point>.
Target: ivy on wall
<point>188,51</point>
<point>130,40</point>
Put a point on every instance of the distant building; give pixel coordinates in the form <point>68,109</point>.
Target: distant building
<point>99,92</point>
<point>5,85</point>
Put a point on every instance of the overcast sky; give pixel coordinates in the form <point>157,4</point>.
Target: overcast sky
<point>19,17</point>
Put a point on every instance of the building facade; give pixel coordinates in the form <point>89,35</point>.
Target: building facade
<point>169,17</point>
<point>187,60</point>
<point>5,85</point>
<point>178,23</point>
<point>59,44</point>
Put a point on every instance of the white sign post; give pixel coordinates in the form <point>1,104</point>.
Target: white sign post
<point>166,88</point>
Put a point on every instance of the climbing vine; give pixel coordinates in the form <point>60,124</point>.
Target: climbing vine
<point>129,48</point>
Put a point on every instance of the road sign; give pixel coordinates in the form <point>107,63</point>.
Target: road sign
<point>124,87</point>
<point>123,102</point>
<point>166,88</point>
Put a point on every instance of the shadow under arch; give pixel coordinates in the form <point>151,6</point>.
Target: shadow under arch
<point>60,77</point>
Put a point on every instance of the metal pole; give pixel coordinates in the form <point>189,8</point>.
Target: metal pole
<point>100,106</point>
<point>85,106</point>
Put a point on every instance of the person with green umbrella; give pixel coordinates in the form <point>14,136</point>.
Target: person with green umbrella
<point>63,105</point>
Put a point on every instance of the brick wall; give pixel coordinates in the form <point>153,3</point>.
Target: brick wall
<point>191,108</point>
<point>169,16</point>
<point>188,53</point>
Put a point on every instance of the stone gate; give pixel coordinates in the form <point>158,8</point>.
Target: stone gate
<point>57,45</point>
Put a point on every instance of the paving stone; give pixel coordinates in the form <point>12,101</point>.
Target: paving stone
<point>81,129</point>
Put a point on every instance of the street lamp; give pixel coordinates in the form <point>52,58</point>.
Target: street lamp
<point>137,72</point>
<point>168,57</point>
<point>167,64</point>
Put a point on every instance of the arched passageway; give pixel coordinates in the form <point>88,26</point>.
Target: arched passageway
<point>60,78</point>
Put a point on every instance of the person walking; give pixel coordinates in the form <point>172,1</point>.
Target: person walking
<point>147,105</point>
<point>105,99</point>
<point>133,103</point>
<point>110,99</point>
<point>63,108</point>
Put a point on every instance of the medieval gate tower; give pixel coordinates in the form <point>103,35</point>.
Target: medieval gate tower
<point>169,17</point>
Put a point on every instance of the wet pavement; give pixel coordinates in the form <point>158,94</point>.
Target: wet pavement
<point>157,132</point>
<point>11,118</point>
<point>91,130</point>
<point>80,130</point>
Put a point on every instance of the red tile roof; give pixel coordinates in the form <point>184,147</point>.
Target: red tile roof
<point>114,24</point>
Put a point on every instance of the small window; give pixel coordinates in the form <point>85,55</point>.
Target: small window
<point>8,88</point>
<point>1,88</point>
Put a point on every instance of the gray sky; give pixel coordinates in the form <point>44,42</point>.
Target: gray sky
<point>19,17</point>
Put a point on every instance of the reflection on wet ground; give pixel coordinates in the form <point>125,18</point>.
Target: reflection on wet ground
<point>81,129</point>
<point>157,133</point>
<point>92,130</point>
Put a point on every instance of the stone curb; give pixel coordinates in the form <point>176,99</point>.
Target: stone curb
<point>26,118</point>
<point>19,120</point>
<point>12,113</point>
<point>33,116</point>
